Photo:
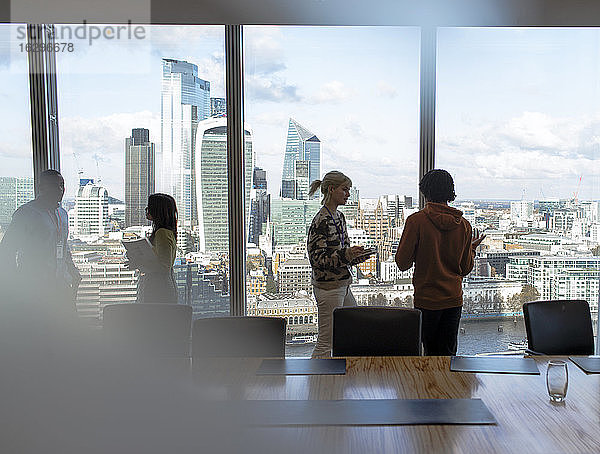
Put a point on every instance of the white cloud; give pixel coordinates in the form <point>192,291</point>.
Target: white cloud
<point>386,90</point>
<point>538,130</point>
<point>264,63</point>
<point>87,141</point>
<point>543,155</point>
<point>263,50</point>
<point>333,92</point>
<point>270,88</point>
<point>275,118</point>
<point>168,39</point>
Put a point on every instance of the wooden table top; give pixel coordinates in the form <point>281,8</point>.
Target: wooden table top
<point>527,420</point>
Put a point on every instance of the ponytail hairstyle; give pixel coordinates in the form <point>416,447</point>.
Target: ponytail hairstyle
<point>332,180</point>
<point>163,210</point>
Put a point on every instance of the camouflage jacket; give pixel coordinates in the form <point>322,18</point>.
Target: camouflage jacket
<point>329,261</point>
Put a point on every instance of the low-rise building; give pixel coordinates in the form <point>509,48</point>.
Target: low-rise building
<point>489,292</point>
<point>576,284</point>
<point>370,294</point>
<point>203,289</point>
<point>294,275</point>
<point>104,280</point>
<point>498,258</point>
<point>544,270</point>
<point>256,282</point>
<point>299,310</point>
<point>391,273</point>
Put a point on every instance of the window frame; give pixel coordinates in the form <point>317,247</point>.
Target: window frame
<point>45,120</point>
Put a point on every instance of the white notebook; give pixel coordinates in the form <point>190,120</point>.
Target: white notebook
<point>140,253</point>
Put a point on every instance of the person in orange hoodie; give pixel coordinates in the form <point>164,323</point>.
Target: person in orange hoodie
<point>441,244</point>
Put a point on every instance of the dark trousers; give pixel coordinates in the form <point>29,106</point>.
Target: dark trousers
<point>439,331</point>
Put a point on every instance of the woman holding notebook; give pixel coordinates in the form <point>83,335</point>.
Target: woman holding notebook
<point>157,282</point>
<point>331,256</point>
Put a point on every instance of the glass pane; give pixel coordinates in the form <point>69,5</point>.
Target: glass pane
<point>16,156</point>
<point>517,127</point>
<point>319,99</point>
<point>141,114</point>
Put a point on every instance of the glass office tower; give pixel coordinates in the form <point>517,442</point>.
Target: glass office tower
<point>291,219</point>
<point>302,145</point>
<point>139,176</point>
<point>211,183</point>
<point>185,102</point>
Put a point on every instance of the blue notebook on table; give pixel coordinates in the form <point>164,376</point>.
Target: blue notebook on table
<point>302,367</point>
<point>588,364</point>
<point>494,365</point>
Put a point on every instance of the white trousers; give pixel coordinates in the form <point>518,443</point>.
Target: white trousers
<point>327,301</point>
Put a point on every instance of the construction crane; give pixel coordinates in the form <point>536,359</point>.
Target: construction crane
<point>577,191</point>
<point>79,169</point>
<point>97,159</point>
<point>542,193</point>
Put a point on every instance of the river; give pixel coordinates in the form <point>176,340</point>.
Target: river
<point>475,336</point>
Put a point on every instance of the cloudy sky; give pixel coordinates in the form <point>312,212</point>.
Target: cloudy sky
<point>518,110</point>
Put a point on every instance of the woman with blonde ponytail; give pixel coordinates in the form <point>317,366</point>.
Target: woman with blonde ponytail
<point>331,255</point>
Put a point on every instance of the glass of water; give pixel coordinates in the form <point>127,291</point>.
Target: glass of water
<point>557,380</point>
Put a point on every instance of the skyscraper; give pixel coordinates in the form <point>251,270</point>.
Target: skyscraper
<point>302,145</point>
<point>259,178</point>
<point>211,183</point>
<point>260,205</point>
<point>185,102</point>
<point>291,219</point>
<point>14,192</point>
<point>139,175</point>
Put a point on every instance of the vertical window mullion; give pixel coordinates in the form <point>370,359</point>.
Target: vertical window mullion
<point>43,98</point>
<point>234,93</point>
<point>427,103</point>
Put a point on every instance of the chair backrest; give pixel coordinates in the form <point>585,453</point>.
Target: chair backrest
<point>154,329</point>
<point>561,327</point>
<point>239,337</point>
<point>376,331</point>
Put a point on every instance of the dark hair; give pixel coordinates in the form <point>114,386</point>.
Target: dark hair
<point>49,176</point>
<point>437,186</point>
<point>163,210</point>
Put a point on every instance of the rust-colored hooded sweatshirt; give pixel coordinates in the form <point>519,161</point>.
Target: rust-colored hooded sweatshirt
<point>437,240</point>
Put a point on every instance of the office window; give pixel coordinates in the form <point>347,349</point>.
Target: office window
<point>16,168</point>
<point>140,114</point>
<point>517,126</point>
<point>320,99</point>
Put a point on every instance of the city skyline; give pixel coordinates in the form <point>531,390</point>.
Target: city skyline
<point>527,119</point>
<point>503,130</point>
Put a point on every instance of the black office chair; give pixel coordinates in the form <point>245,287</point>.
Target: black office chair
<point>239,337</point>
<point>376,331</point>
<point>149,329</point>
<point>561,327</point>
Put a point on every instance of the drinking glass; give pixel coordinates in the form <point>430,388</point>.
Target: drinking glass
<point>557,380</point>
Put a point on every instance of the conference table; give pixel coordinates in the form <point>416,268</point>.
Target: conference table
<point>526,420</point>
